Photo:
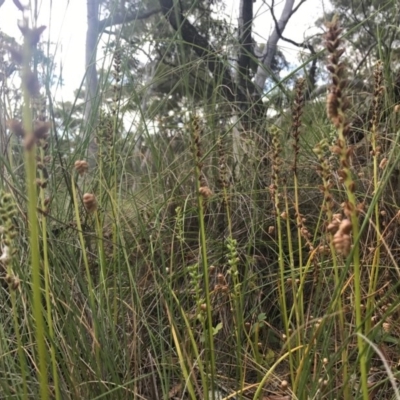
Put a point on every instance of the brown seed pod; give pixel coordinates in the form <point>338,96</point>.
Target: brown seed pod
<point>81,166</point>
<point>16,128</point>
<point>41,129</point>
<point>345,226</point>
<point>205,191</point>
<point>90,203</point>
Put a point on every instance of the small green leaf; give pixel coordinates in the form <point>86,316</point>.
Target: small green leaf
<point>390,339</point>
<point>217,328</point>
<point>261,317</point>
<point>269,357</point>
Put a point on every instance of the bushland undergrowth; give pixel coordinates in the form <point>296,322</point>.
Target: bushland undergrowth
<point>275,277</point>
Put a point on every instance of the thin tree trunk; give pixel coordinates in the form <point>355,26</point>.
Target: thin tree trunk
<point>245,40</point>
<point>95,27</point>
<point>91,87</point>
<point>263,70</point>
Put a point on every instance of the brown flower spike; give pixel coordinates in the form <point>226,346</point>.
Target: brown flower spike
<point>32,36</point>
<point>337,102</point>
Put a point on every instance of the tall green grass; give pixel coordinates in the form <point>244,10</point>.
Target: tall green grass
<point>200,262</point>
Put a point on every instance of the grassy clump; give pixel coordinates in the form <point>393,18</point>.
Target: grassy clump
<point>237,267</point>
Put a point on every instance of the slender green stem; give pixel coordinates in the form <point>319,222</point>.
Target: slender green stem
<point>349,185</point>
<point>47,287</point>
<point>21,354</point>
<point>92,301</point>
<point>30,173</point>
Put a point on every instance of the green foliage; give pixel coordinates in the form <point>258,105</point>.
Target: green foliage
<point>371,31</point>
<point>206,251</point>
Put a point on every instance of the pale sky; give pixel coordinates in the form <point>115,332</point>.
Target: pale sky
<point>66,22</point>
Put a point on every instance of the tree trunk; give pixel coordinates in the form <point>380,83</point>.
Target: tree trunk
<point>245,40</point>
<point>217,66</point>
<point>91,87</point>
<point>269,53</point>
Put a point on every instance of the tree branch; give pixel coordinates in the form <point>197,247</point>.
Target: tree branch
<point>298,6</point>
<point>303,45</point>
<point>271,47</point>
<point>125,18</point>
